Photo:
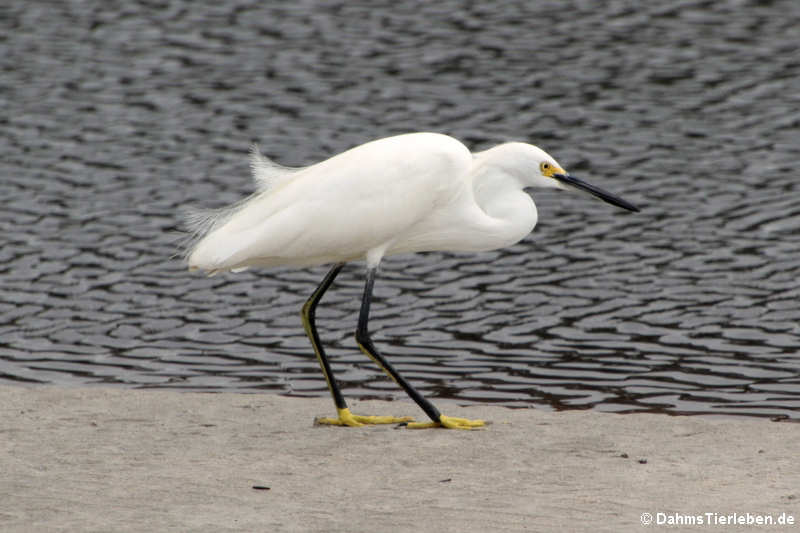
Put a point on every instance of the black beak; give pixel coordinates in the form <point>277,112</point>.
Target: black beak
<point>579,184</point>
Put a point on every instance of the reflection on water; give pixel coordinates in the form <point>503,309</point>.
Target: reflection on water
<point>122,115</point>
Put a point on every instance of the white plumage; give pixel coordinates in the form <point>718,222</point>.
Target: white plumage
<point>408,193</point>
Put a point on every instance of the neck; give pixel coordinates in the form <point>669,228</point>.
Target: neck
<point>499,193</point>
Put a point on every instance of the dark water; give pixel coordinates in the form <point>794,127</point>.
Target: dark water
<point>116,114</point>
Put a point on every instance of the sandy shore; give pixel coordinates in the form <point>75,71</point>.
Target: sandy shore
<point>132,460</point>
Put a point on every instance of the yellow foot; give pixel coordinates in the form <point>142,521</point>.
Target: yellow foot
<point>448,422</point>
<point>346,418</point>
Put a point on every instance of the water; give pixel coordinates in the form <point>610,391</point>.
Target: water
<point>116,114</point>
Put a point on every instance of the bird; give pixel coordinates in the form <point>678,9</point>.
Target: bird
<point>408,193</point>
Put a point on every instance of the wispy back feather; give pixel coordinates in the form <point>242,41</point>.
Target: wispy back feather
<point>267,174</point>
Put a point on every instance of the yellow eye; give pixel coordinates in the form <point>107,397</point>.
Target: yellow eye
<point>546,168</point>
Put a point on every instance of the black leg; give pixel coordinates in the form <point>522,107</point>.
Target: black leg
<point>365,343</point>
<point>308,314</point>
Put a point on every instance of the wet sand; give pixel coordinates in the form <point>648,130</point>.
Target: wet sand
<point>133,460</point>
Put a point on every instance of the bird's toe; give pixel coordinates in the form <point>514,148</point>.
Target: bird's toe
<point>346,418</point>
<point>449,422</point>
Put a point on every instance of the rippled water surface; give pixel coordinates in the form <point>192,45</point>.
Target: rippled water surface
<point>117,114</point>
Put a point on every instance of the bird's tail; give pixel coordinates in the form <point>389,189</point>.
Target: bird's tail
<point>200,222</point>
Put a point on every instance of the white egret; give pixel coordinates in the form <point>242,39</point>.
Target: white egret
<point>409,193</point>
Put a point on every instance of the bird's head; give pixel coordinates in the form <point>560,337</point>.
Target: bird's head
<point>536,168</point>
